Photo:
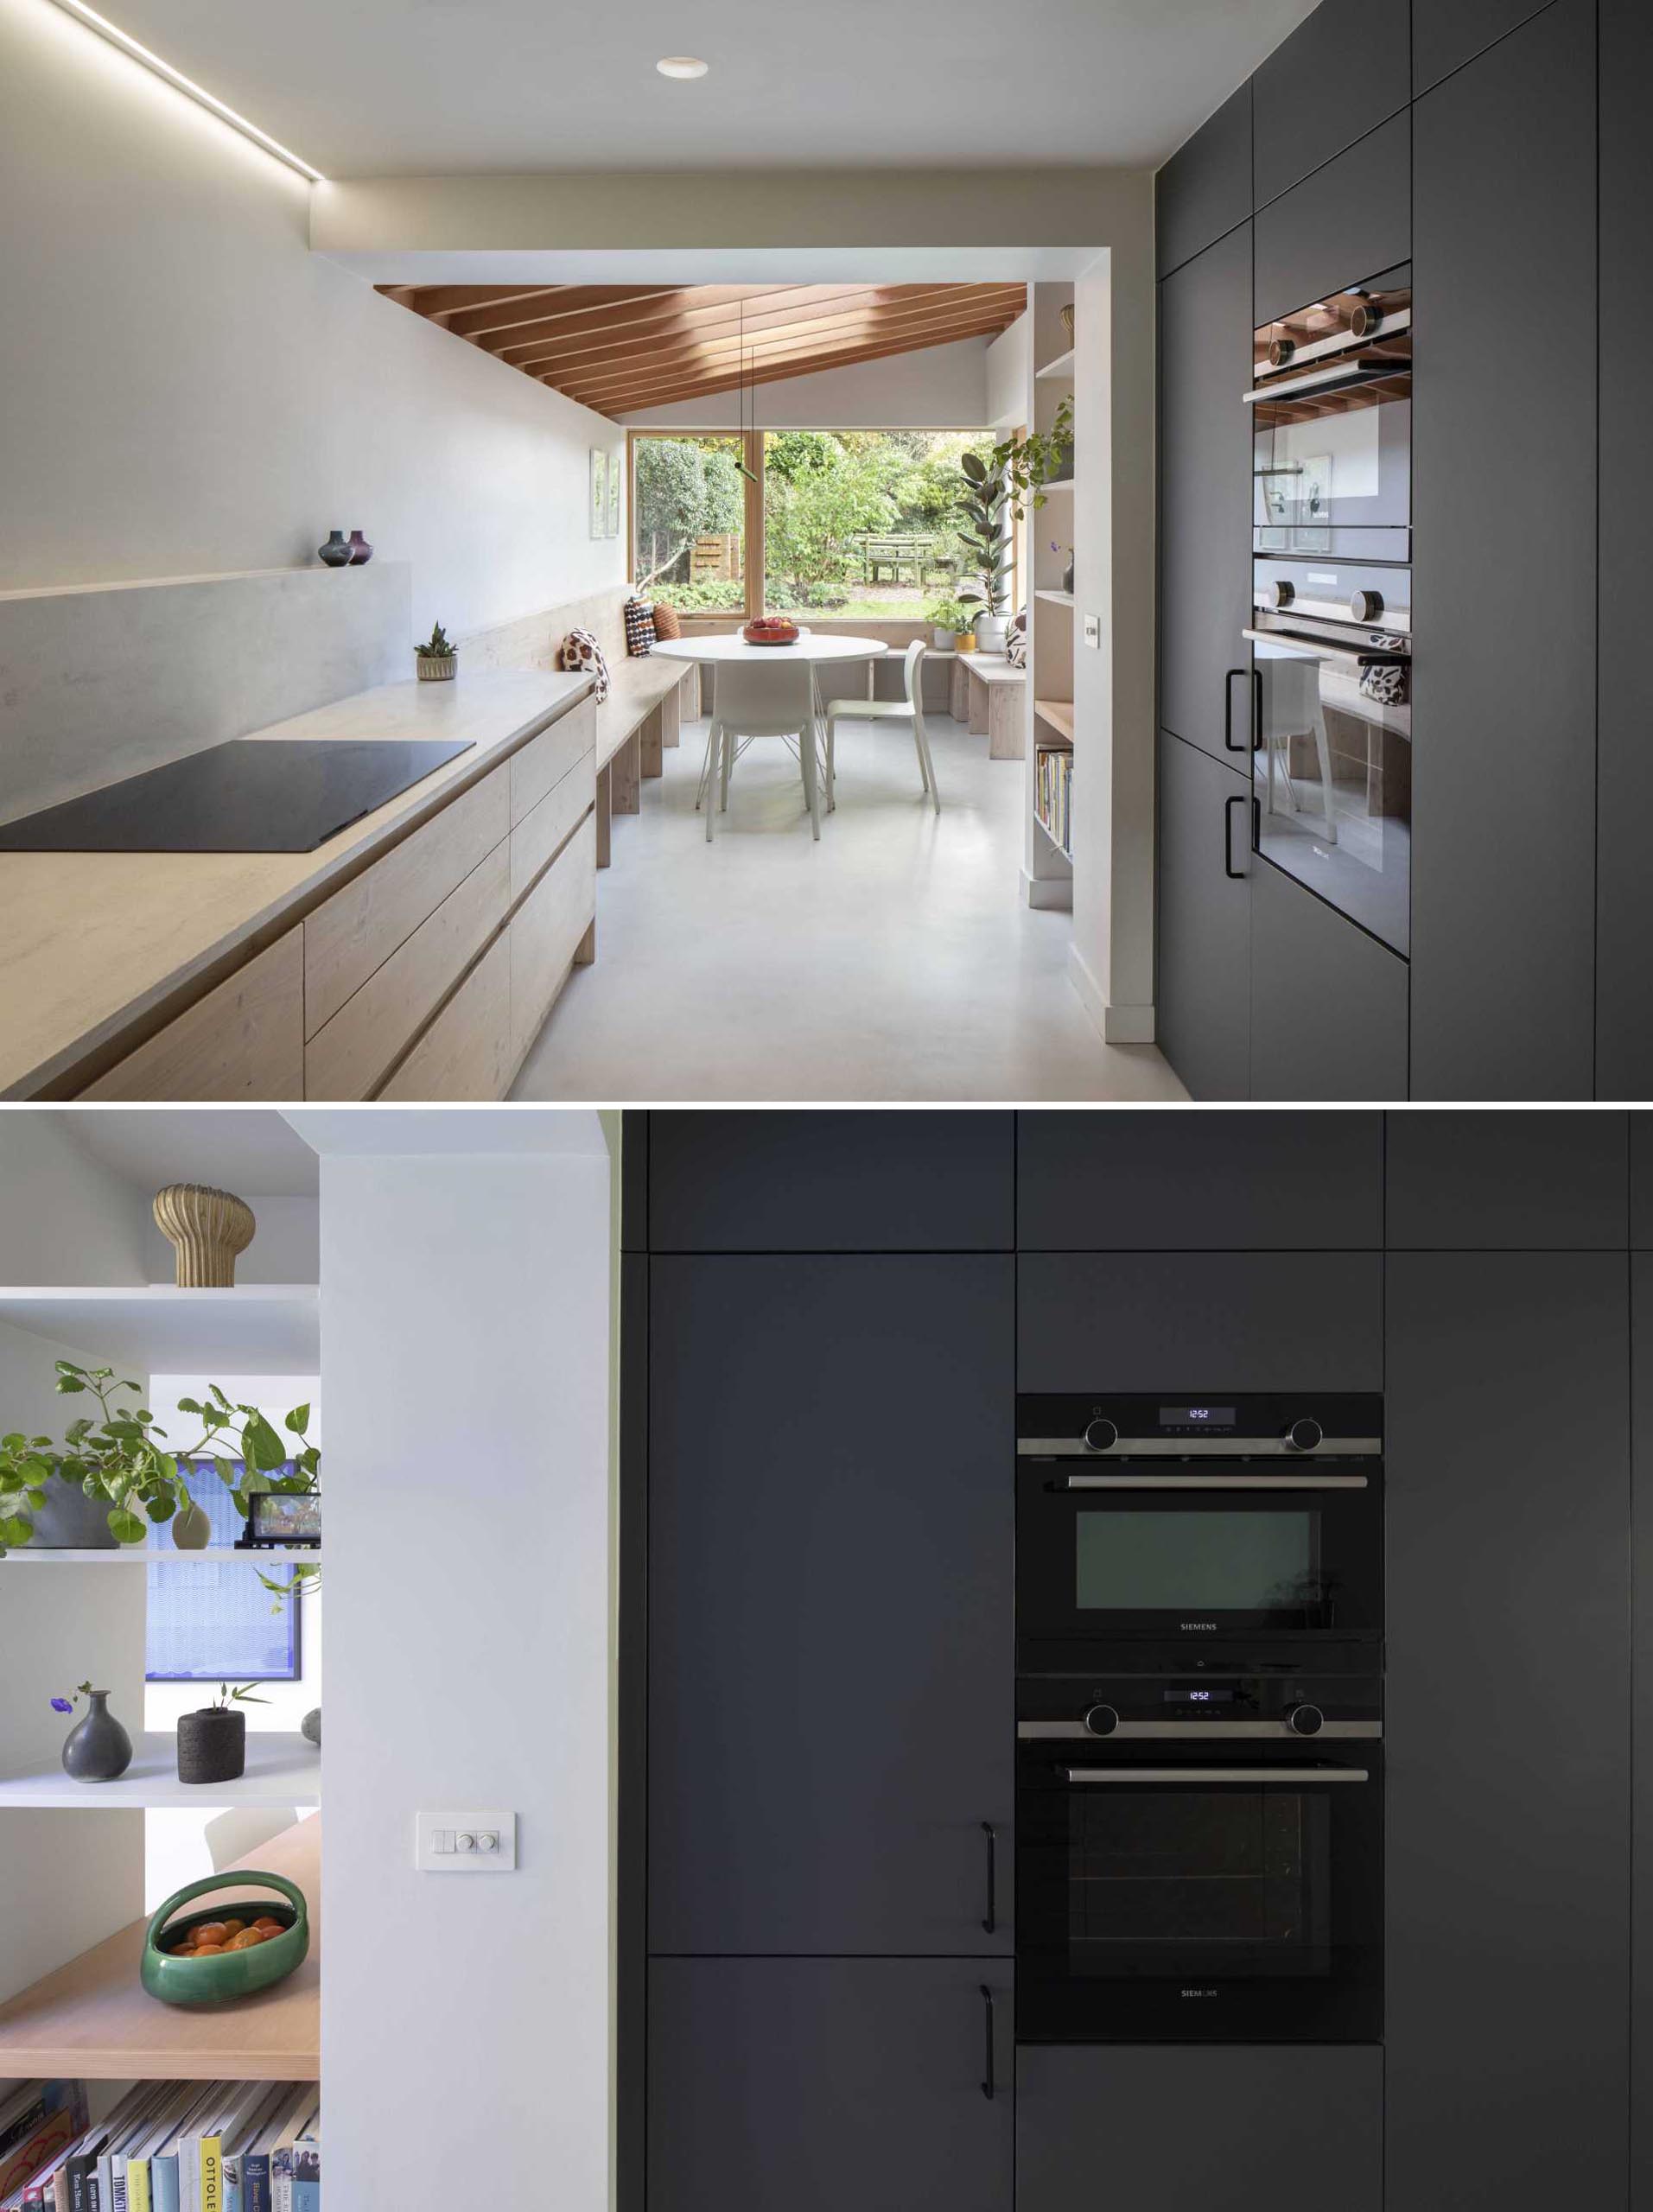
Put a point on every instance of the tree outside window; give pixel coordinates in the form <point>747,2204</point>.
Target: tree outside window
<point>689,509</point>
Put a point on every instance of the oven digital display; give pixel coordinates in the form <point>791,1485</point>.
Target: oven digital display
<point>1197,1697</point>
<point>1196,1416</point>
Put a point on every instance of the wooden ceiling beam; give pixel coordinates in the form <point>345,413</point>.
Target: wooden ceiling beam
<point>492,327</point>
<point>673,334</point>
<point>708,364</point>
<point>637,399</point>
<point>441,303</point>
<point>689,308</point>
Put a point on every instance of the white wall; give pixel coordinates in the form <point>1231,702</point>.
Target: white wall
<point>187,389</point>
<point>64,1217</point>
<point>1008,369</point>
<point>286,1245</point>
<point>937,388</point>
<point>465,1317</point>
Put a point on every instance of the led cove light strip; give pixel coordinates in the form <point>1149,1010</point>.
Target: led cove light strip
<point>176,76</point>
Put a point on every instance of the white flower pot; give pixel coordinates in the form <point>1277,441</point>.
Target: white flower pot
<point>991,631</point>
<point>944,639</point>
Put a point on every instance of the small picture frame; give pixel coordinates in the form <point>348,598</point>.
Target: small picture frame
<point>616,472</point>
<point>290,1520</point>
<point>599,492</point>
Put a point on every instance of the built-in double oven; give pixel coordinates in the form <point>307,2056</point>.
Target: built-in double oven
<point>1330,665</point>
<point>1199,1720</point>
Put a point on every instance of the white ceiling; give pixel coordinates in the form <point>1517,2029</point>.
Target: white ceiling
<point>251,1151</point>
<point>431,87</point>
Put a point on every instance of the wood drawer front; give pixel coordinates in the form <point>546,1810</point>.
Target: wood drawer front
<point>358,929</point>
<point>347,1058</point>
<point>465,1052</point>
<point>545,934</point>
<point>538,835</point>
<point>244,1039</point>
<point>541,764</point>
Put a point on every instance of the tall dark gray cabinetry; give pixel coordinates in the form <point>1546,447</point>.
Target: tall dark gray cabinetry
<point>830,1730</point>
<point>1462,134</point>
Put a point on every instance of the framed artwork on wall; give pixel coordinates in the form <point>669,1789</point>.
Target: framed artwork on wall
<point>599,493</point>
<point>616,468</point>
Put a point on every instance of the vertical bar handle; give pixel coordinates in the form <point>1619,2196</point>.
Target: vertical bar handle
<point>989,2082</point>
<point>990,1925</point>
<point>1229,805</point>
<point>1229,745</point>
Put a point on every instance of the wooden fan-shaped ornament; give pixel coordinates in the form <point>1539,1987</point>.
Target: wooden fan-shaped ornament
<point>207,1229</point>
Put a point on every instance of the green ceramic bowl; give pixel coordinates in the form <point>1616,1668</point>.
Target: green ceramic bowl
<point>233,1973</point>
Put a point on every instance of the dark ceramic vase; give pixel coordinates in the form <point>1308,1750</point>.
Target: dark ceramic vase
<point>70,1521</point>
<point>99,1749</point>
<point>361,551</point>
<point>1067,575</point>
<point>336,553</point>
<point>211,1744</point>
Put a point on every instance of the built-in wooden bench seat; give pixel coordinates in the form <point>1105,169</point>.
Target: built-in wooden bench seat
<point>987,695</point>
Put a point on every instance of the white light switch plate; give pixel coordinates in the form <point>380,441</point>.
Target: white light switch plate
<point>1093,631</point>
<point>468,1842</point>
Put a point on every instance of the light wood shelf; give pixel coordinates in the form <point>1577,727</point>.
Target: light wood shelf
<point>1058,713</point>
<point>170,1555</point>
<point>1061,366</point>
<point>1047,830</point>
<point>157,1329</point>
<point>1059,483</point>
<point>92,2019</point>
<point>283,1768</point>
<point>1056,598</point>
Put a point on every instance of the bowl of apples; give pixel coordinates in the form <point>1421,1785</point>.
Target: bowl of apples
<point>771,629</point>
<point>213,1957</point>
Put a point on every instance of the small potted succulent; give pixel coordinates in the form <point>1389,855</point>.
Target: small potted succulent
<point>213,1743</point>
<point>949,620</point>
<point>437,658</point>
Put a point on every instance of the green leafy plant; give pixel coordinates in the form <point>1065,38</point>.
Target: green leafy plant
<point>120,1454</point>
<point>985,539</point>
<point>226,1697</point>
<point>1025,465</point>
<point>437,647</point>
<point>950,614</point>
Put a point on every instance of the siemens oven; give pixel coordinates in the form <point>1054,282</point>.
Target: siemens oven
<point>1171,1520</point>
<point>1199,1858</point>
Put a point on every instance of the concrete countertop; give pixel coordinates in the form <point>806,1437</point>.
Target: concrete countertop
<point>93,944</point>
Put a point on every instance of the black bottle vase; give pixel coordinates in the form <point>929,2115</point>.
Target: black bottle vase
<point>211,1744</point>
<point>98,1749</point>
<point>336,552</point>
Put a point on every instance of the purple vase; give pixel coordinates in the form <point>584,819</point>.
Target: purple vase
<point>361,551</point>
<point>336,552</point>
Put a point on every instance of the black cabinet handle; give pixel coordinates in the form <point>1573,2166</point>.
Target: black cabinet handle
<point>990,1925</point>
<point>989,2084</point>
<point>1229,805</point>
<point>1229,745</point>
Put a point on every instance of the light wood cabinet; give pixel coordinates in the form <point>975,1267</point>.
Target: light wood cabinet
<point>243,1040</point>
<point>464,1053</point>
<point>546,759</point>
<point>546,934</point>
<point>537,836</point>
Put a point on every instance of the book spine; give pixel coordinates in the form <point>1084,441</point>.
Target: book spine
<point>163,2183</point>
<point>211,2198</point>
<point>138,2186</point>
<point>281,2180</point>
<point>254,2181</point>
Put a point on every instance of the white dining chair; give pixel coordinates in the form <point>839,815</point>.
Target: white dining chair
<point>909,708</point>
<point>750,702</point>
<point>1292,710</point>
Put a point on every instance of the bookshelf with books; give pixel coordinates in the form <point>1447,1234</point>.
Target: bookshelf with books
<point>1047,854</point>
<point>222,2145</point>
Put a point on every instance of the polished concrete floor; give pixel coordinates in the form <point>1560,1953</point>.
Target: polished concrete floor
<point>894,960</point>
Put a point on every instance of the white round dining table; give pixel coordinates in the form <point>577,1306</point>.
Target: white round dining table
<point>818,648</point>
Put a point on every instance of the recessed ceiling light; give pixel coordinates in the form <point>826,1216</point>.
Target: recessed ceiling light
<point>681,65</point>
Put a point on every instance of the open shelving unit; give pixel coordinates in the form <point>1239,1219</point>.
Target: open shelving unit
<point>74,1852</point>
<point>1047,854</point>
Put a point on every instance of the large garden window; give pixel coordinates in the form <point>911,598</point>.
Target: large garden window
<point>689,521</point>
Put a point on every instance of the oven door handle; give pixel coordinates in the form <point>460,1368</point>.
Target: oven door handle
<point>1146,1481</point>
<point>1284,1777</point>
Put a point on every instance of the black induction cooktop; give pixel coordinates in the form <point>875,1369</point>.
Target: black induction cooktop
<point>252,795</point>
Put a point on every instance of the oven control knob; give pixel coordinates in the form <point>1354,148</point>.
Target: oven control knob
<point>1304,1436</point>
<point>1366,606</point>
<point>1281,350</point>
<point>1306,1720</point>
<point>1278,594</point>
<point>1102,1435</point>
<point>1102,1720</point>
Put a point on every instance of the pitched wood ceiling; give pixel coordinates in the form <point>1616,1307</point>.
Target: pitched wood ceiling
<point>621,348</point>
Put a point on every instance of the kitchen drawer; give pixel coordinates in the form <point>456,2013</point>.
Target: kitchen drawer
<point>541,764</point>
<point>245,1040</point>
<point>357,929</point>
<point>545,934</point>
<point>547,824</point>
<point>348,1057</point>
<point>465,1052</point>
<point>1350,221</point>
<point>1204,190</point>
<point>1343,71</point>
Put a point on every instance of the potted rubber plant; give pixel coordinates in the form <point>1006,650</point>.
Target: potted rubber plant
<point>986,542</point>
<point>212,1742</point>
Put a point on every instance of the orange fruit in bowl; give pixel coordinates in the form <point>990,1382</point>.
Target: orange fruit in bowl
<point>233,1928</point>
<point>271,1927</point>
<point>211,1931</point>
<point>207,1950</point>
<point>245,1940</point>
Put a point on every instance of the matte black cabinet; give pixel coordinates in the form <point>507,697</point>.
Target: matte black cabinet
<point>1203,1020</point>
<point>1641,2112</point>
<point>1199,1182</point>
<point>1205,1321</point>
<point>1503,886</point>
<point>1206,500</point>
<point>1328,1002</point>
<point>1484,1182</point>
<point>1205,187</point>
<point>831,1182</point>
<point>830,1558</point>
<point>1641,1180</point>
<point>1350,220</point>
<point>1342,71</point>
<point>829,2085</point>
<point>1507,1721</point>
<point>1624,759</point>
<point>1249,2128</point>
<point>1447,33</point>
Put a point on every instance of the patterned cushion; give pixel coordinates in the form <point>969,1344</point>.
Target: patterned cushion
<point>668,623</point>
<point>581,655</point>
<point>639,627</point>
<point>1015,643</point>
